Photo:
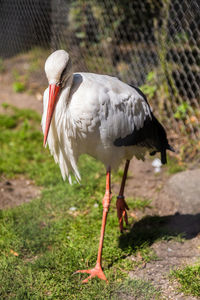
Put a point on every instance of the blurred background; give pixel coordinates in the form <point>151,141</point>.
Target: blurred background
<point>153,44</point>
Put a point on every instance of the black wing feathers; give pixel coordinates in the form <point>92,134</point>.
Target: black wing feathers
<point>152,135</point>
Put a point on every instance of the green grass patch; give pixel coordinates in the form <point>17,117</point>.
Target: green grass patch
<point>189,279</point>
<point>174,166</point>
<point>19,87</point>
<point>138,203</point>
<point>43,242</point>
<point>20,139</point>
<point>19,84</point>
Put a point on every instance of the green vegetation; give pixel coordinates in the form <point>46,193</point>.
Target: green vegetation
<point>19,84</point>
<point>182,111</point>
<point>19,87</point>
<point>20,151</point>
<point>138,203</point>
<point>189,278</point>
<point>43,242</point>
<point>150,87</point>
<point>174,166</point>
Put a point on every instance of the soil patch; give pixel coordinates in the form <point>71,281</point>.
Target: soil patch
<point>171,255</point>
<point>20,100</point>
<point>16,191</point>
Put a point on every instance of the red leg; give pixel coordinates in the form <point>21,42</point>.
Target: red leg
<point>97,270</point>
<point>121,204</point>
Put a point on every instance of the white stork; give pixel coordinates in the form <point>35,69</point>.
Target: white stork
<point>103,117</point>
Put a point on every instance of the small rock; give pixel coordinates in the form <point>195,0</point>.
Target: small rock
<point>185,188</point>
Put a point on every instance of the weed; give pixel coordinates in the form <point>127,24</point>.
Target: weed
<point>182,111</point>
<point>150,88</point>
<point>19,87</point>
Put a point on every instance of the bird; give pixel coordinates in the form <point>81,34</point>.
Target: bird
<point>98,115</point>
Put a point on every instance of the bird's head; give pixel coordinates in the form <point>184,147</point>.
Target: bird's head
<point>58,69</point>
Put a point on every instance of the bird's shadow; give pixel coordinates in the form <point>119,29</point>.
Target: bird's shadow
<point>152,228</point>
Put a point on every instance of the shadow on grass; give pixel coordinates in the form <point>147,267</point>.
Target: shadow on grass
<point>153,228</point>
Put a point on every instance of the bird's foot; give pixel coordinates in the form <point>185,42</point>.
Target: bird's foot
<point>121,211</point>
<point>96,271</point>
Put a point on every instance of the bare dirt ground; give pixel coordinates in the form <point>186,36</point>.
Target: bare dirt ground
<point>16,191</point>
<point>143,183</point>
<point>170,255</point>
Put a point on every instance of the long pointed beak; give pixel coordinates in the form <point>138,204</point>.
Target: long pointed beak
<point>53,97</point>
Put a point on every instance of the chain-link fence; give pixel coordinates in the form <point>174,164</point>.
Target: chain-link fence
<point>153,44</point>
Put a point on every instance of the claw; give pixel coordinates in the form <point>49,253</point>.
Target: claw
<point>95,272</point>
<point>121,211</point>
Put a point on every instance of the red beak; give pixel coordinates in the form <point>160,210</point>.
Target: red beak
<point>53,97</point>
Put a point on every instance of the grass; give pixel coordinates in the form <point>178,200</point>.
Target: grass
<point>174,166</point>
<point>19,84</point>
<point>138,203</point>
<point>19,87</point>
<point>43,242</point>
<point>189,279</point>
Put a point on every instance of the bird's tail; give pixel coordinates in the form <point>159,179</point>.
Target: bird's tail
<point>164,155</point>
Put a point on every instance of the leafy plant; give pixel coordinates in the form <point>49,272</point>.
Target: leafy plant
<point>19,87</point>
<point>150,87</point>
<point>182,111</point>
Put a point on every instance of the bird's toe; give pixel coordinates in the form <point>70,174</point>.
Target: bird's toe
<point>121,212</point>
<point>95,272</point>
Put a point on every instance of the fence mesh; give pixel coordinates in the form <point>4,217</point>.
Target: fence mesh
<point>153,44</point>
